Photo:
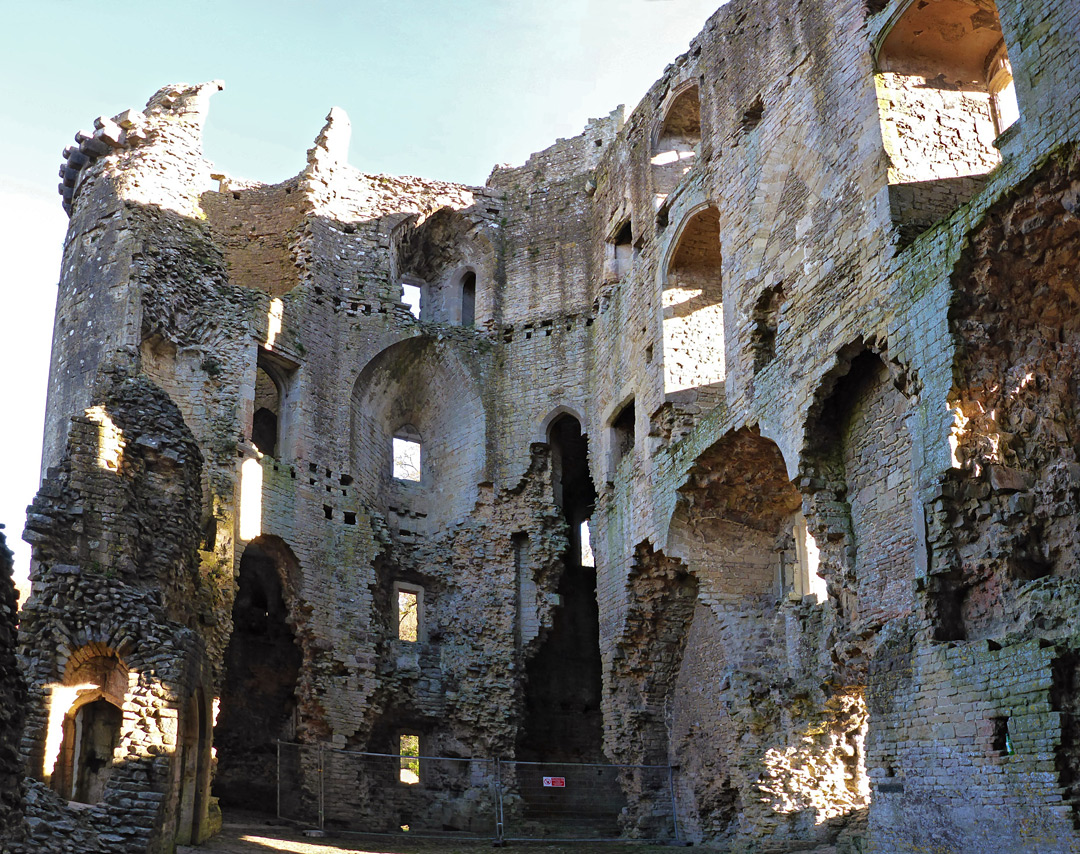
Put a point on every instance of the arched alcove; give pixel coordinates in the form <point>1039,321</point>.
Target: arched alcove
<point>693,308</point>
<point>719,657</point>
<point>262,665</point>
<point>424,384</point>
<point>676,140</point>
<point>945,92</point>
<point>859,450</point>
<point>275,391</point>
<point>453,255</point>
<point>94,689</point>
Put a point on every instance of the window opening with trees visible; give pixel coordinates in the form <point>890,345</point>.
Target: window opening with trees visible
<point>409,758</point>
<point>407,454</point>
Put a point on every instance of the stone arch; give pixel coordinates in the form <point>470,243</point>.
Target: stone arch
<point>716,668</point>
<point>693,303</point>
<point>94,689</point>
<point>857,459</point>
<point>262,667</point>
<point>422,382</point>
<point>563,678</point>
<point>676,138</point>
<point>543,430</point>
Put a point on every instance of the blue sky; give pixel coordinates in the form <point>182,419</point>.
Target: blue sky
<point>436,88</point>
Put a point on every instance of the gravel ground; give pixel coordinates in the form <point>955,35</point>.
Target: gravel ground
<point>253,835</point>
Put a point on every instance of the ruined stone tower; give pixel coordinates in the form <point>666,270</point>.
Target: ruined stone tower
<point>737,435</point>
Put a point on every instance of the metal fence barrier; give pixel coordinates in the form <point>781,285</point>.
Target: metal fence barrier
<point>504,800</point>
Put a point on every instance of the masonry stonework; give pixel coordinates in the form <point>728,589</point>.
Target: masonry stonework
<point>743,434</point>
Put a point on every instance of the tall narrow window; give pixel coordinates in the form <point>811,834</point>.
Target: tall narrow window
<point>622,433</point>
<point>410,295</point>
<point>406,449</point>
<point>409,758</point>
<point>264,424</point>
<point>468,299</point>
<point>693,306</point>
<point>409,601</point>
<point>624,250</point>
<point>587,558</point>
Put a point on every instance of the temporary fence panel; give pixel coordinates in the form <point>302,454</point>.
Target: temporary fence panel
<point>299,778</point>
<point>378,793</point>
<point>575,801</point>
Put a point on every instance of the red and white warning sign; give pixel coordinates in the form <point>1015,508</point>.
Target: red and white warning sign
<point>554,782</point>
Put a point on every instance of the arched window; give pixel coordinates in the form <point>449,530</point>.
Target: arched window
<point>945,92</point>
<point>693,306</point>
<point>274,381</point>
<point>676,141</point>
<point>468,299</point>
<point>264,423</point>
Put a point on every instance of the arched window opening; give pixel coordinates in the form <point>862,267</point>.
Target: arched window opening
<point>407,454</point>
<point>274,379</point>
<point>677,141</point>
<point>693,308</point>
<point>946,92</point>
<point>468,299</point>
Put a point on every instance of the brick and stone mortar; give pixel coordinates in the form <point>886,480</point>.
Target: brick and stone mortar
<point>817,328</point>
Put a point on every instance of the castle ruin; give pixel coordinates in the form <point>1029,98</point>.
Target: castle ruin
<point>738,436</point>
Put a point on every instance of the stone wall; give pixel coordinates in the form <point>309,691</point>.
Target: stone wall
<point>12,710</point>
<point>793,358</point>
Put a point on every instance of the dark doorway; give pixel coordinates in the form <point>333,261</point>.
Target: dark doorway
<point>262,661</point>
<point>93,733</point>
<point>563,720</point>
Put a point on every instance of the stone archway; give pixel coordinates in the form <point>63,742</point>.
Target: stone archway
<point>262,666</point>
